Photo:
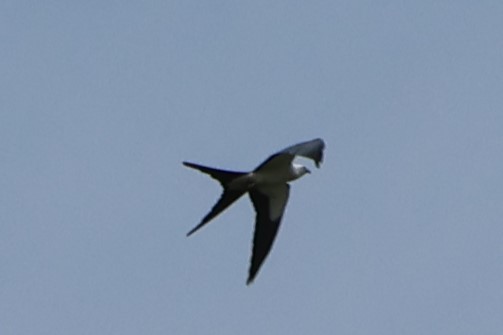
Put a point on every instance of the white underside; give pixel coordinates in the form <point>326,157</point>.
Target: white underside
<point>278,175</point>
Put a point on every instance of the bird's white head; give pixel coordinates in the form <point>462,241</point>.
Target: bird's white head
<point>300,170</point>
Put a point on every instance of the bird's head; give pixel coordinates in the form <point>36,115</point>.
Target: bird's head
<point>300,170</point>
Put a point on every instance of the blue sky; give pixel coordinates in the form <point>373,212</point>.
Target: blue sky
<point>399,232</point>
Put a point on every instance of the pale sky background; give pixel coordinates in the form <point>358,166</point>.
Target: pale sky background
<point>399,232</point>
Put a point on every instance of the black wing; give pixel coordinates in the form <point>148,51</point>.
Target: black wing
<point>310,149</point>
<point>269,203</point>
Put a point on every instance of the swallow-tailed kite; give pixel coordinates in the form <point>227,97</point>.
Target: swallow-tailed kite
<point>268,188</point>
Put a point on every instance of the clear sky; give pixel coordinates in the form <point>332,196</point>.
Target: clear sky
<point>399,232</point>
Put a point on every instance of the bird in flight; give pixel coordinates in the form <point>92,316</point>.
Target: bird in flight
<point>268,188</point>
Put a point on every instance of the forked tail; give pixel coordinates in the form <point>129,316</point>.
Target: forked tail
<point>228,196</point>
<point>223,176</point>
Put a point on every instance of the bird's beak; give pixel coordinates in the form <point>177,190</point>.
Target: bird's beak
<point>308,171</point>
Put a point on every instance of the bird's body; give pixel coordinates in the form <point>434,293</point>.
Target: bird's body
<point>268,188</point>
<point>268,177</point>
